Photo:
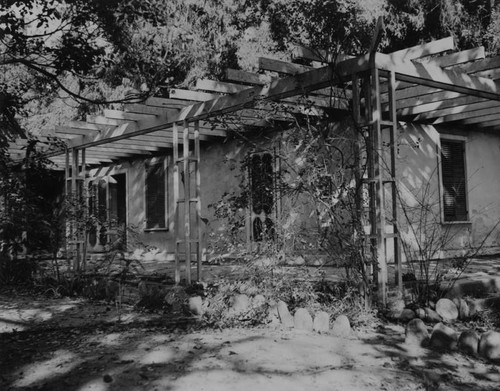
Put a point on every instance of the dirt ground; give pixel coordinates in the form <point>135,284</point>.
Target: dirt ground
<point>67,344</point>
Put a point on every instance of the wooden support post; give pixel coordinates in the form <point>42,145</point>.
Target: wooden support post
<point>187,202</point>
<point>75,195</point>
<point>370,161</point>
<point>379,188</point>
<point>358,174</point>
<point>176,175</point>
<point>199,249</point>
<point>83,190</point>
<point>394,194</point>
<point>67,194</point>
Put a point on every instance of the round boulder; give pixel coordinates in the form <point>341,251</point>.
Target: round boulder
<point>443,337</point>
<point>420,313</point>
<point>463,310</point>
<point>303,320</point>
<point>447,309</point>
<point>341,326</point>
<point>489,345</point>
<point>407,315</point>
<point>416,333</point>
<point>285,317</point>
<point>432,316</point>
<point>195,305</point>
<point>468,342</point>
<point>321,322</point>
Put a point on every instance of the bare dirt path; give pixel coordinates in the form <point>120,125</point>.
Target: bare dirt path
<point>64,344</point>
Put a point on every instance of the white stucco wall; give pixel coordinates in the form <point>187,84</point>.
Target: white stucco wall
<point>419,184</point>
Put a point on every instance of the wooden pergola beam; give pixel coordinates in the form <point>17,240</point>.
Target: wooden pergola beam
<point>423,50</point>
<point>458,104</point>
<point>167,103</point>
<point>433,76</point>
<point>453,59</point>
<point>250,78</point>
<point>219,86</point>
<point>479,66</point>
<point>282,88</point>
<point>467,105</point>
<point>195,96</point>
<point>284,67</point>
<point>465,117</point>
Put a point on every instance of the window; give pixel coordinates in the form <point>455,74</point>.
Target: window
<point>155,195</point>
<point>453,180</point>
<point>107,201</point>
<point>262,196</point>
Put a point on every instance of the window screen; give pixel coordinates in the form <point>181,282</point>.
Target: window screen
<point>454,180</point>
<point>155,196</point>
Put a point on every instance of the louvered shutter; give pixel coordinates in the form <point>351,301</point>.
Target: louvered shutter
<point>155,196</point>
<point>454,180</point>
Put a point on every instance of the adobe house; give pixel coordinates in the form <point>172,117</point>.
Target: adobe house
<point>430,116</point>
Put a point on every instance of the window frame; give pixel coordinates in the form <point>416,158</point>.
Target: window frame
<point>147,164</point>
<point>463,141</point>
<point>276,205</point>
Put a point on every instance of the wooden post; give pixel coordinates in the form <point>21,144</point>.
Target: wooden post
<point>74,194</point>
<point>187,202</point>
<point>67,195</point>
<point>198,198</point>
<point>176,174</point>
<point>393,138</point>
<point>379,187</point>
<point>83,189</point>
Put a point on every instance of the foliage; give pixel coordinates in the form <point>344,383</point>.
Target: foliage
<point>309,291</point>
<point>425,240</point>
<point>27,221</point>
<point>471,23</point>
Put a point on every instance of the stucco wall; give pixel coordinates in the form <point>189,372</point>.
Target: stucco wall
<point>418,174</point>
<point>420,186</point>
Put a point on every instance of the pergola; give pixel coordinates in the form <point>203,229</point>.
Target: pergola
<point>429,83</point>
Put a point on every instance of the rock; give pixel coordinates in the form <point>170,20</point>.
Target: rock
<point>443,337</point>
<point>341,326</point>
<point>258,301</point>
<point>407,315</point>
<point>240,303</point>
<point>489,345</point>
<point>302,320</point>
<point>416,333</point>
<point>285,317</point>
<point>321,322</point>
<point>447,309</point>
<point>468,342</point>
<point>420,313</point>
<point>195,305</point>
<point>432,316</point>
<point>107,378</point>
<point>463,310</point>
